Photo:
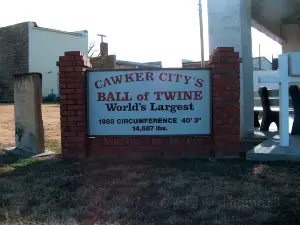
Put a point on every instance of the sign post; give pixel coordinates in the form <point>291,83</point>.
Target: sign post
<point>149,102</point>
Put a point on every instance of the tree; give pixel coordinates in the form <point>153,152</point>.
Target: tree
<point>92,51</point>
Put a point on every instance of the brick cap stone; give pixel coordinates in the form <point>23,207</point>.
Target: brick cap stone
<point>224,55</point>
<point>74,53</point>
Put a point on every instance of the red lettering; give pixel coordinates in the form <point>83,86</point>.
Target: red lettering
<point>170,95</point>
<point>158,95</point>
<point>186,78</point>
<point>198,95</point>
<point>199,83</point>
<point>170,77</point>
<point>114,96</point>
<point>179,95</point>
<point>96,84</point>
<point>117,79</point>
<point>177,77</point>
<point>110,97</point>
<point>161,76</point>
<point>129,78</point>
<point>119,96</point>
<point>149,76</point>
<point>139,77</point>
<point>106,82</point>
<point>187,95</point>
<point>101,96</point>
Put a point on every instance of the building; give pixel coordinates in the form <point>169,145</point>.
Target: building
<point>110,62</point>
<point>120,64</point>
<point>192,64</point>
<point>26,47</point>
<point>259,63</point>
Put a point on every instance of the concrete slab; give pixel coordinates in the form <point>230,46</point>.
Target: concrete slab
<point>29,128</point>
<point>270,150</point>
<point>264,134</point>
<point>27,154</point>
<point>273,127</point>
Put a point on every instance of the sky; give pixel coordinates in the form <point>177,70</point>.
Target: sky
<point>137,30</point>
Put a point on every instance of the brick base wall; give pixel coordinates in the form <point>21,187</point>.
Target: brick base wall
<point>224,141</point>
<point>151,146</point>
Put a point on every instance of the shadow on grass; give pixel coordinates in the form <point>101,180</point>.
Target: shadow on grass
<point>35,191</point>
<point>154,191</point>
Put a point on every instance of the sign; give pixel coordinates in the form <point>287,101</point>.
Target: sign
<point>149,102</point>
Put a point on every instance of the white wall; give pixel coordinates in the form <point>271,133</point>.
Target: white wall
<point>45,47</point>
<point>257,74</point>
<point>229,25</point>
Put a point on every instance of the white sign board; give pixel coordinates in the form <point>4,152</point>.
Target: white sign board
<point>149,102</point>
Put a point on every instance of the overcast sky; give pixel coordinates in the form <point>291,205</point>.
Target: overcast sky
<point>137,30</point>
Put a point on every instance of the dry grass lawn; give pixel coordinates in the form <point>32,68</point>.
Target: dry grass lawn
<point>55,191</point>
<point>51,120</point>
<point>153,192</point>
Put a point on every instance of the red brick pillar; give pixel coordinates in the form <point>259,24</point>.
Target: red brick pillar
<point>72,103</point>
<point>225,64</point>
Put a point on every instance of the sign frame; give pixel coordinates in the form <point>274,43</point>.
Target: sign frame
<point>88,72</point>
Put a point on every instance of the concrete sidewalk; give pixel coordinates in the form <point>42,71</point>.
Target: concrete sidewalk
<point>270,150</point>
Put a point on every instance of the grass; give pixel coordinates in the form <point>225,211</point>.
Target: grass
<point>53,145</point>
<point>55,191</point>
<point>51,122</point>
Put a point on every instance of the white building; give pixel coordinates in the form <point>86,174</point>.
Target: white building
<point>25,48</point>
<point>45,47</point>
<point>261,63</point>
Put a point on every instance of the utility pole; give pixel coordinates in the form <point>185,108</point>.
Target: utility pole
<point>259,57</point>
<point>102,36</point>
<point>201,33</point>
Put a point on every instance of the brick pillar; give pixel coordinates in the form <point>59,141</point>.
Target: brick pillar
<point>225,64</point>
<point>104,49</point>
<point>72,103</point>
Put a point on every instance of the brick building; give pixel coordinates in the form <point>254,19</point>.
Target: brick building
<point>13,57</point>
<point>110,61</point>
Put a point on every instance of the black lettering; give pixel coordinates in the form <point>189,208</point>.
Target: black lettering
<point>111,106</point>
<point>146,120</point>
<point>143,108</point>
<point>119,108</point>
<point>171,108</point>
